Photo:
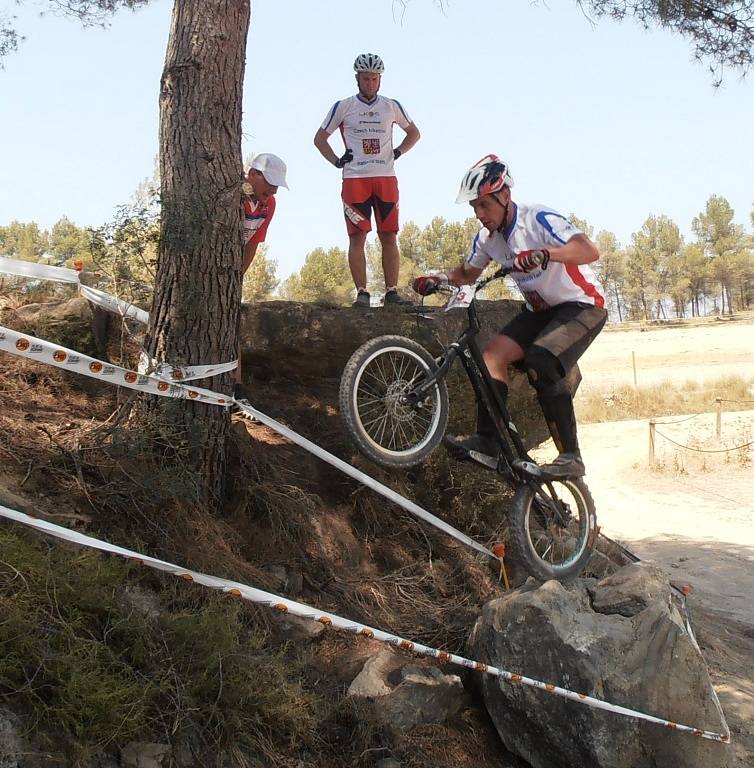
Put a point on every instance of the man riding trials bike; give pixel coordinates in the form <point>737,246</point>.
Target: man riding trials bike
<point>563,314</point>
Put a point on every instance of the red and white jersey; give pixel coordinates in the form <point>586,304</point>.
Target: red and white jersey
<point>367,130</point>
<point>535,226</point>
<point>256,219</point>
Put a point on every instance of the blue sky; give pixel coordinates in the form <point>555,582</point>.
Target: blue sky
<point>610,122</point>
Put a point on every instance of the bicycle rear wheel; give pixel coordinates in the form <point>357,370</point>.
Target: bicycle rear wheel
<point>385,426</point>
<point>553,528</point>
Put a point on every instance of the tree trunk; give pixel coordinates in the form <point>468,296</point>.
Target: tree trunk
<point>617,302</point>
<point>195,312</point>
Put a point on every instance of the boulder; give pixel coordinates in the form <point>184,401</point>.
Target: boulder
<point>645,661</point>
<point>424,695</point>
<point>420,695</point>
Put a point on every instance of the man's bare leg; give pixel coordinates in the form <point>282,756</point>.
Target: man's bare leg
<point>357,261</point>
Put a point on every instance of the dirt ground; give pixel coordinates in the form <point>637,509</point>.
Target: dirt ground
<point>691,512</point>
<point>694,352</point>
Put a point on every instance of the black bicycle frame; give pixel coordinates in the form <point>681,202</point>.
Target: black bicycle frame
<point>467,348</point>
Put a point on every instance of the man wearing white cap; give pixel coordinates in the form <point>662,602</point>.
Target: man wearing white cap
<point>266,174</point>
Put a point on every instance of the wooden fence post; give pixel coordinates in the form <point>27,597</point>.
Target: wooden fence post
<point>651,442</point>
<point>719,423</point>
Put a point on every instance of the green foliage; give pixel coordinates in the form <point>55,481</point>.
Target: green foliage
<point>83,661</point>
<point>260,280</point>
<point>324,277</point>
<point>125,250</point>
<point>23,241</point>
<point>583,225</point>
<point>726,245</point>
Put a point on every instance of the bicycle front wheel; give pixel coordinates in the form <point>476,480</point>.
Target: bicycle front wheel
<point>553,528</point>
<point>388,427</point>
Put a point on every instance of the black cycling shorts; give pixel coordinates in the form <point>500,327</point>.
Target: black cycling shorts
<point>566,330</point>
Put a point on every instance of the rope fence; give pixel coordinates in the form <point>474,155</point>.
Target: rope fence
<point>654,432</point>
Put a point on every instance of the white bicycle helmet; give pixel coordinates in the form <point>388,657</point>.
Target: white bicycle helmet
<point>369,62</point>
<point>489,175</point>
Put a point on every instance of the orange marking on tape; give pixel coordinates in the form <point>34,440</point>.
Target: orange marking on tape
<point>176,374</point>
<point>443,656</point>
<point>234,592</point>
<point>136,560</point>
<point>515,678</point>
<point>549,687</point>
<point>162,386</point>
<point>22,345</point>
<point>186,576</point>
<point>59,356</point>
<point>671,725</point>
<point>479,667</point>
<point>95,367</point>
<point>366,632</point>
<point>282,607</point>
<point>326,620</point>
<point>130,377</point>
<point>406,645</point>
<point>498,550</point>
<point>193,395</point>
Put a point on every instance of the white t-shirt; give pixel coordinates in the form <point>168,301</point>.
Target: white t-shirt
<point>535,226</point>
<point>367,130</point>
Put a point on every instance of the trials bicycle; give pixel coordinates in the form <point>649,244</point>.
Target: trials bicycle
<point>394,401</point>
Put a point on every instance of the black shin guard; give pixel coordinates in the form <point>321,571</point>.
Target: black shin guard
<point>561,421</point>
<point>484,423</point>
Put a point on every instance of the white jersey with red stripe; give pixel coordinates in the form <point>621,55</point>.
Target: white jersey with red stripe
<point>533,227</point>
<point>367,130</point>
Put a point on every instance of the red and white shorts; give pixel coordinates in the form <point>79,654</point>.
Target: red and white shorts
<point>360,196</point>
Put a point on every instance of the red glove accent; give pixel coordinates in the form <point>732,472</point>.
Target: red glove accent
<point>425,285</point>
<point>528,261</point>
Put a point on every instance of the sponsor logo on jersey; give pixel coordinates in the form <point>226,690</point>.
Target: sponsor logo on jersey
<point>371,146</point>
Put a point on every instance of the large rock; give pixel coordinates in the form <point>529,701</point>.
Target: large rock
<point>419,695</point>
<point>645,661</point>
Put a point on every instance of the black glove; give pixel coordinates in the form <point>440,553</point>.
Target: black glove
<point>346,158</point>
<point>396,154</point>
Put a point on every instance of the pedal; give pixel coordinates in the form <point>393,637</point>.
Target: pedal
<point>529,468</point>
<point>483,459</point>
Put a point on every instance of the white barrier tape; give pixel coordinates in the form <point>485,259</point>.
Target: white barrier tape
<point>113,304</point>
<point>715,699</point>
<point>179,373</point>
<point>364,479</point>
<point>117,306</point>
<point>43,351</point>
<point>38,271</point>
<point>236,589</point>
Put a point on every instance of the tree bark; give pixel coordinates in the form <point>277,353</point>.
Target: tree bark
<point>195,312</point>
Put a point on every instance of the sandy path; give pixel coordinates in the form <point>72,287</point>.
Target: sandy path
<point>698,526</point>
<point>701,352</point>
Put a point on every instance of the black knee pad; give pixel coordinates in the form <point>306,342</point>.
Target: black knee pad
<point>545,372</point>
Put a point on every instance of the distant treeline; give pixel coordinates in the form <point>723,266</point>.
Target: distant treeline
<point>657,275</point>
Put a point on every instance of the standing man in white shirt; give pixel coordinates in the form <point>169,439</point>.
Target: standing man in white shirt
<point>369,183</point>
<point>564,310</point>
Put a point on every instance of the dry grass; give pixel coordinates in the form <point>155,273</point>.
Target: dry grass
<point>665,399</point>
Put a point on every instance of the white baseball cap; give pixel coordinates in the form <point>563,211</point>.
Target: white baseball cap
<point>272,168</point>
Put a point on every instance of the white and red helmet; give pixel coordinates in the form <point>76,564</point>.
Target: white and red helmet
<point>369,62</point>
<point>487,176</point>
